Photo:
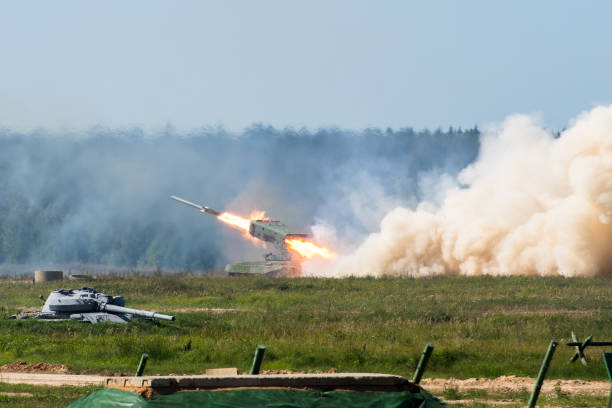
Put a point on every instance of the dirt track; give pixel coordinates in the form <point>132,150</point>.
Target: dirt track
<point>510,384</point>
<point>500,385</point>
<point>58,380</point>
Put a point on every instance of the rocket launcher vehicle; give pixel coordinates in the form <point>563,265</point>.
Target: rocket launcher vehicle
<point>289,246</point>
<point>270,231</point>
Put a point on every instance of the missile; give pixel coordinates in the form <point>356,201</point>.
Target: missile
<point>199,207</point>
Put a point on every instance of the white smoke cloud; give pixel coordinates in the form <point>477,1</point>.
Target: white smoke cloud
<point>531,204</point>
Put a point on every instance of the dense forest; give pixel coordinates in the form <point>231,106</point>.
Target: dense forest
<point>101,196</point>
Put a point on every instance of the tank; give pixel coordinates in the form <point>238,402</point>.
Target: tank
<point>88,305</point>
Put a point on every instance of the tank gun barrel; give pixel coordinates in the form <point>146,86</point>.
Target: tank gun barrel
<point>199,207</point>
<point>137,312</point>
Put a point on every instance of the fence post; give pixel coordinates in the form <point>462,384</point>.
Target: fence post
<point>538,385</point>
<point>418,373</point>
<point>607,359</point>
<point>259,353</point>
<point>142,364</point>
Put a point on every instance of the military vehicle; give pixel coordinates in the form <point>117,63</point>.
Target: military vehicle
<point>279,262</point>
<point>87,305</point>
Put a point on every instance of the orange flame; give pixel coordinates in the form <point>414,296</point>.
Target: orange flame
<point>306,249</point>
<point>239,222</point>
<point>309,249</point>
<point>235,221</point>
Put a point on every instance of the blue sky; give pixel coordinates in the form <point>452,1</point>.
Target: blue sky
<point>351,64</point>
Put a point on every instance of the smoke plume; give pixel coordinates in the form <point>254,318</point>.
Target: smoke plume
<point>101,196</point>
<point>532,203</point>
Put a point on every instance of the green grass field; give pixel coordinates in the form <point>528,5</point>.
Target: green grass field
<point>480,326</point>
<point>31,396</point>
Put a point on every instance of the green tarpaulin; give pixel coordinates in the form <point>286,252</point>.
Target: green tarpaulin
<point>110,398</point>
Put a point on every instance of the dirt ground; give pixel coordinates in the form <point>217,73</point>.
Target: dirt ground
<point>510,384</point>
<point>501,385</point>
<point>40,368</point>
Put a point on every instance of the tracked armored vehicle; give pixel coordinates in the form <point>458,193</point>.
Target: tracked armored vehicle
<point>88,305</point>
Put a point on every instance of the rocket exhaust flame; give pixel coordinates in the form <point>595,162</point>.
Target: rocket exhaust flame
<point>235,221</point>
<point>308,249</point>
<point>305,249</point>
<point>242,224</point>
